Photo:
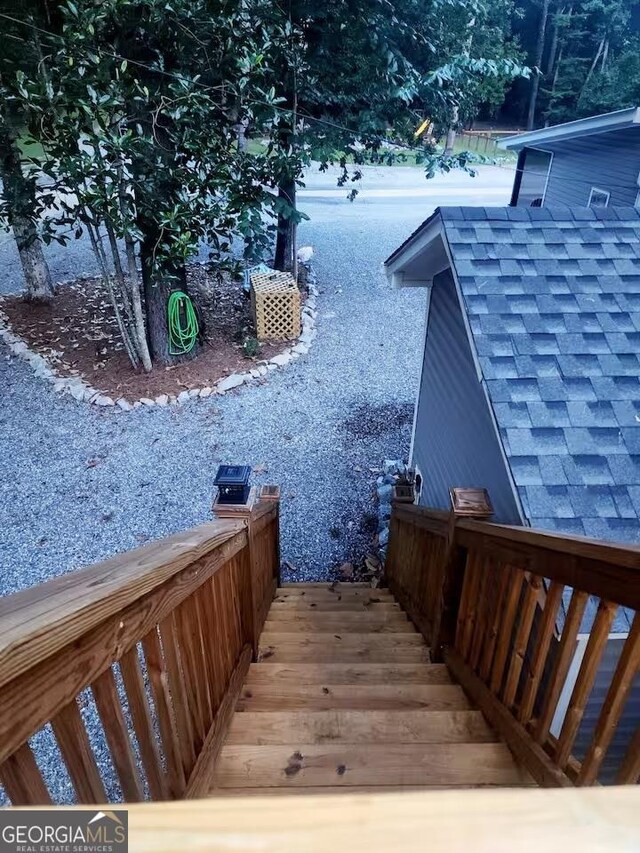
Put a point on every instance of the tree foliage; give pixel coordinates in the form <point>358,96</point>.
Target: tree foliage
<point>588,62</point>
<point>141,107</point>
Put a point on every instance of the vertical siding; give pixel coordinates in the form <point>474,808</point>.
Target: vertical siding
<point>627,723</point>
<point>609,161</point>
<point>455,441</point>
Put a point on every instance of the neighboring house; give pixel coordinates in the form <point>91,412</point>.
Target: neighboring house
<point>530,383</point>
<point>592,162</point>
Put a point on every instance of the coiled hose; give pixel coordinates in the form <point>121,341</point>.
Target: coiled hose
<point>182,323</point>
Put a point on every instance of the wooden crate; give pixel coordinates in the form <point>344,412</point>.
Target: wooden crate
<point>275,303</point>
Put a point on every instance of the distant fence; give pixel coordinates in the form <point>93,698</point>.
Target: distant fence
<point>485,142</point>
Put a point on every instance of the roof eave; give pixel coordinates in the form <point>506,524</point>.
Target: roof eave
<point>415,245</point>
<point>618,120</point>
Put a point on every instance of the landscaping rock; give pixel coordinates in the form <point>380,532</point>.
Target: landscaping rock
<point>233,381</point>
<point>384,494</point>
<point>193,393</point>
<point>205,392</point>
<point>281,359</point>
<point>306,337</point>
<point>146,401</point>
<point>162,400</point>
<point>183,396</point>
<point>77,392</point>
<point>125,405</point>
<point>102,400</point>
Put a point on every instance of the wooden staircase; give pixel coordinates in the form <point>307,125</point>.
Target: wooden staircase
<point>343,696</point>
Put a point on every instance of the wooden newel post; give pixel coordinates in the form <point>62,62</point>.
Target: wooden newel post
<point>249,569</point>
<point>465,503</point>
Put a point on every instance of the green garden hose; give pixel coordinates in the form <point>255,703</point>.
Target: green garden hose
<point>182,323</point>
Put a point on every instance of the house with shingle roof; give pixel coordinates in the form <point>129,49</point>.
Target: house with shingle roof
<point>530,382</point>
<point>592,161</point>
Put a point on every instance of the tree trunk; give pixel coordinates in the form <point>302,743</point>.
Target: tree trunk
<point>20,197</point>
<point>553,49</point>
<point>593,65</point>
<point>157,288</point>
<point>286,238</point>
<point>136,301</point>
<point>451,134</point>
<point>535,81</point>
<point>158,283</point>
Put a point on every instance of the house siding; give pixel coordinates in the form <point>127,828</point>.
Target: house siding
<point>455,441</point>
<point>609,161</point>
<point>627,723</point>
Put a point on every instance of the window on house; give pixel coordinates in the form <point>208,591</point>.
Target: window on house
<point>598,197</point>
<point>531,178</point>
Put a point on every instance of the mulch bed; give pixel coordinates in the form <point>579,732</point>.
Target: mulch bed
<point>78,335</point>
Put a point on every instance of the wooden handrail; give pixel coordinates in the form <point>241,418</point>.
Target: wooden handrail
<point>578,546</point>
<point>595,820</point>
<point>38,621</point>
<point>162,636</point>
<point>488,599</point>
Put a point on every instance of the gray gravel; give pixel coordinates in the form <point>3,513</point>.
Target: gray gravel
<point>79,484</point>
<point>318,425</point>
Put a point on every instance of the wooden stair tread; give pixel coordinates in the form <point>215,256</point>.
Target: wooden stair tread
<point>342,765</point>
<point>319,647</point>
<point>365,697</point>
<point>332,593</point>
<point>313,790</point>
<point>334,639</point>
<point>336,605</point>
<point>347,673</point>
<point>349,622</point>
<point>344,698</point>
<point>282,727</point>
<point>293,653</point>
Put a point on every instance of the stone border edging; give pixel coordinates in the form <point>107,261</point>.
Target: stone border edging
<point>82,392</point>
<point>392,469</point>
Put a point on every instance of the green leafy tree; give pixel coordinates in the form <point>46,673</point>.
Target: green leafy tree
<point>575,46</point>
<point>139,124</point>
<point>23,201</point>
<point>357,73</point>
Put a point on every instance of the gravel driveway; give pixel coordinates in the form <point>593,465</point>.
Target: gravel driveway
<point>79,484</point>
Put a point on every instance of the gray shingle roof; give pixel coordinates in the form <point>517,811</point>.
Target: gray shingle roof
<point>553,300</point>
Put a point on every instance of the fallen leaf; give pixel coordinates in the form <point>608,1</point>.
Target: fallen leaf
<point>346,570</point>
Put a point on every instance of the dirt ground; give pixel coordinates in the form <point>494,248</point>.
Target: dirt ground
<point>78,335</point>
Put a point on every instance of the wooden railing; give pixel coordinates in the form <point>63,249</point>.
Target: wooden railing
<point>138,660</point>
<point>489,600</point>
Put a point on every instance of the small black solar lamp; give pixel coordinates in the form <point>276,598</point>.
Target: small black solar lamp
<point>233,484</point>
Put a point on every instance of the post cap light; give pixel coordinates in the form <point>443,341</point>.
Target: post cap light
<point>233,484</point>
<point>471,502</point>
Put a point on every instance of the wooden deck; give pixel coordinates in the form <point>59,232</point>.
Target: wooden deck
<point>343,697</point>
